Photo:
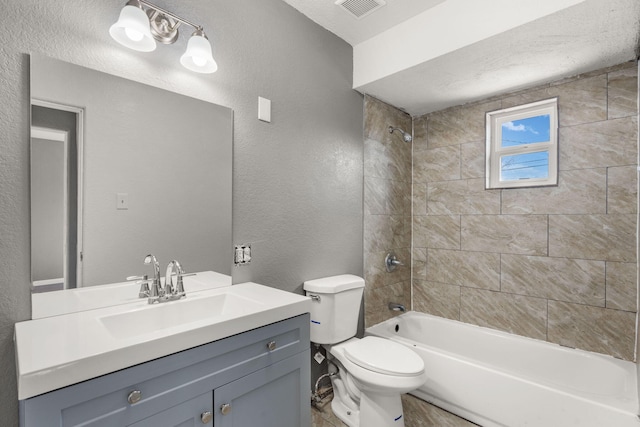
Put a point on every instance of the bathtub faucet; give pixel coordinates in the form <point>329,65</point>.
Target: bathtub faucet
<point>394,306</point>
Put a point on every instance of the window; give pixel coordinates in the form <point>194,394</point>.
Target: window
<point>522,146</point>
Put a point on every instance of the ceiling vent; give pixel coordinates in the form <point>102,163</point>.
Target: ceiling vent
<point>360,8</point>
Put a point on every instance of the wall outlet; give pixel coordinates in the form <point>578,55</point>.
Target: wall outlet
<point>242,254</point>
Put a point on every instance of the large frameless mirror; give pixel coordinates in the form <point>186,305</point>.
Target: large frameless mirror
<point>119,170</point>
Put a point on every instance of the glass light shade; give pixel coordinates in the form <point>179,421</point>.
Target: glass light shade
<point>132,30</point>
<point>198,55</point>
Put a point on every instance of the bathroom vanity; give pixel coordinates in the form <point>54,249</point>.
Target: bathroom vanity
<point>241,359</point>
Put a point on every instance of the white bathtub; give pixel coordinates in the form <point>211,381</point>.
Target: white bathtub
<point>498,379</point>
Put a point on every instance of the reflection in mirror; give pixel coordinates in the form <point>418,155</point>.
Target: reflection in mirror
<point>120,170</point>
<point>54,195</point>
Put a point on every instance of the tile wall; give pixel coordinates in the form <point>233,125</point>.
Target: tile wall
<point>387,209</point>
<point>554,263</point>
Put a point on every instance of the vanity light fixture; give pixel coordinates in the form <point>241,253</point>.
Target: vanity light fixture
<point>141,24</point>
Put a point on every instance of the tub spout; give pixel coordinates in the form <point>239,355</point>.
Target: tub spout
<point>394,306</point>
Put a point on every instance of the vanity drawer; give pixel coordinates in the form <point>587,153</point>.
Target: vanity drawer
<point>166,382</point>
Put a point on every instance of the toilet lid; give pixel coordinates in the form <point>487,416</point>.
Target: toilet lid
<point>384,356</point>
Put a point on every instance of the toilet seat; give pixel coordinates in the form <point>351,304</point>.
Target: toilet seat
<point>384,357</point>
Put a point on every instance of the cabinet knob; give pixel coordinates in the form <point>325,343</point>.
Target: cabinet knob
<point>134,397</point>
<point>206,417</point>
<point>271,345</point>
<point>225,409</point>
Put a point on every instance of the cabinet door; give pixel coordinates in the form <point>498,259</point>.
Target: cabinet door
<point>276,396</point>
<point>192,413</point>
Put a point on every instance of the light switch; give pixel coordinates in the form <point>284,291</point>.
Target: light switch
<point>122,201</point>
<point>264,109</point>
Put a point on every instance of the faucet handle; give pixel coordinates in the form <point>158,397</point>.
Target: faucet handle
<point>143,281</point>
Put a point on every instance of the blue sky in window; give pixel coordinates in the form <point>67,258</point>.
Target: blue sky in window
<point>526,131</point>
<point>524,166</point>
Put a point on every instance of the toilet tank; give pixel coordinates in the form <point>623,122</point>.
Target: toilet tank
<point>335,307</point>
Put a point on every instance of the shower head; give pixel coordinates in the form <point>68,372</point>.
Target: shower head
<point>406,137</point>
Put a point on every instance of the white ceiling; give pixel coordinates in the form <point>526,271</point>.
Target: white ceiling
<point>426,55</point>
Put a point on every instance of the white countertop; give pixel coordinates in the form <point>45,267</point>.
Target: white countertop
<point>58,351</point>
<point>47,304</point>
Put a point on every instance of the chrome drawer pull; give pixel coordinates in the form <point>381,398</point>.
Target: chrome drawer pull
<point>225,409</point>
<point>134,397</point>
<point>271,345</point>
<point>205,417</point>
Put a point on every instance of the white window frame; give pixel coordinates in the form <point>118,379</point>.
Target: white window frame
<point>494,150</point>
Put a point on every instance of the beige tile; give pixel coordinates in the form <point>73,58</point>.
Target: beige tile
<point>418,413</point>
<point>378,116</point>
<point>376,302</point>
<point>599,237</point>
<point>386,161</point>
<point>385,232</point>
<point>622,189</point>
<point>436,231</point>
<point>437,164</point>
<point>601,144</point>
<point>458,125</point>
<point>374,271</point>
<point>462,268</point>
<point>466,196</point>
<point>582,101</point>
<point>386,197</point>
<point>379,231</point>
<point>622,286</point>
<point>623,93</point>
<point>578,192</point>
<point>438,299</point>
<point>325,418</point>
<point>516,314</point>
<point>516,234</point>
<point>579,101</point>
<point>420,125</point>
<point>376,274</point>
<point>419,198</point>
<point>472,162</point>
<point>419,263</point>
<point>592,328</point>
<point>563,279</point>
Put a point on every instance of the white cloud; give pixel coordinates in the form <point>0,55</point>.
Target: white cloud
<point>515,128</point>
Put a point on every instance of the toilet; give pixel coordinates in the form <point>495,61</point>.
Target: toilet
<point>372,372</point>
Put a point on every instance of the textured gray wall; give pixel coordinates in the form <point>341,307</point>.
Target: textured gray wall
<point>297,181</point>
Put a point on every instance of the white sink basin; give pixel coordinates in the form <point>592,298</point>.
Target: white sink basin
<point>55,303</point>
<point>53,352</point>
<point>175,314</point>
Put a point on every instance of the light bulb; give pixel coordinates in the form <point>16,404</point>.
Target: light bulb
<point>198,56</point>
<point>134,35</point>
<point>132,29</point>
<point>199,60</point>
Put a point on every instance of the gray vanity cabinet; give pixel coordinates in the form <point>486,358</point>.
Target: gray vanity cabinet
<point>192,413</point>
<point>257,378</point>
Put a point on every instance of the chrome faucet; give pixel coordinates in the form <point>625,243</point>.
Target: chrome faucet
<point>168,279</point>
<point>156,286</point>
<point>143,281</point>
<point>158,293</point>
<point>171,292</point>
